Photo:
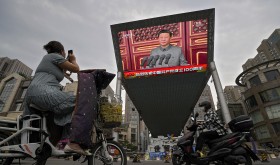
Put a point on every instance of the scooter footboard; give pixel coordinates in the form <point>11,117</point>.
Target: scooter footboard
<point>219,153</point>
<point>235,158</point>
<point>21,149</point>
<point>12,155</point>
<point>239,151</point>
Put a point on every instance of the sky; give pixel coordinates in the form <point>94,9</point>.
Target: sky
<point>84,26</point>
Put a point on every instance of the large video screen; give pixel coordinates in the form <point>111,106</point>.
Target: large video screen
<point>163,46</point>
<point>164,66</point>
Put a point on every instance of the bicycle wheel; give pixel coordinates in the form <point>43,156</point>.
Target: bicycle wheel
<point>116,152</point>
<point>276,152</point>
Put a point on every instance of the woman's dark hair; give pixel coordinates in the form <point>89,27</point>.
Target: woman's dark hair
<point>54,47</point>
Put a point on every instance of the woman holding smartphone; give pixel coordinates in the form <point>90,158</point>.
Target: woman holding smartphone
<point>45,91</point>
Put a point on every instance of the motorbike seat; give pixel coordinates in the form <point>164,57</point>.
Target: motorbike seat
<point>39,109</point>
<point>228,136</point>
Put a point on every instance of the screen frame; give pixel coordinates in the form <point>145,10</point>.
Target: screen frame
<point>208,14</point>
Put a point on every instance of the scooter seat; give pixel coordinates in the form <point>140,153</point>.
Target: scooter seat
<point>228,136</point>
<point>37,108</point>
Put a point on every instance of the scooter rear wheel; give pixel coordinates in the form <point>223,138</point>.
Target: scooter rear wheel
<point>177,160</point>
<point>8,161</point>
<point>248,161</point>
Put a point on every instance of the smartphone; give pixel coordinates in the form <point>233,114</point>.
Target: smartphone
<point>69,52</point>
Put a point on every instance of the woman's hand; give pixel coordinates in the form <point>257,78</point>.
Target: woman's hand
<point>72,58</point>
<point>70,65</point>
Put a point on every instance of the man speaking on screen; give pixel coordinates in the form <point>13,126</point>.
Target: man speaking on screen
<point>166,55</point>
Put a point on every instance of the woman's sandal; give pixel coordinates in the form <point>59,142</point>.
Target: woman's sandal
<point>67,149</point>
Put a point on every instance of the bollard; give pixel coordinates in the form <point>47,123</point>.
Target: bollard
<point>147,157</point>
<point>166,159</point>
<point>264,157</point>
<point>136,158</point>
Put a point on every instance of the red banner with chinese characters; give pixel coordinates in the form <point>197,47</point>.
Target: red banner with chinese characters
<point>165,71</point>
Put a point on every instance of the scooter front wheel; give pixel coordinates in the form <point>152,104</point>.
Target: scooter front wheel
<point>248,160</point>
<point>115,150</point>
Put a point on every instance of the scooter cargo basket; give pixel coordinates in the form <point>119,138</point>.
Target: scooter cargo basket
<point>111,114</point>
<point>241,123</point>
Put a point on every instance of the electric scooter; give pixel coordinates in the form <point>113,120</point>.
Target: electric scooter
<point>230,149</point>
<point>34,142</point>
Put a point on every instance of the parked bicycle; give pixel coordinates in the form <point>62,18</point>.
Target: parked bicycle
<point>271,149</point>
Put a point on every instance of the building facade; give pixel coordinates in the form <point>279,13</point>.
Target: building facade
<point>9,66</point>
<point>269,49</point>
<point>12,93</point>
<point>262,95</point>
<point>234,99</point>
<point>138,131</point>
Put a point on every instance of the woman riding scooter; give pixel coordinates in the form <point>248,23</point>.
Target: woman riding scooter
<point>213,126</point>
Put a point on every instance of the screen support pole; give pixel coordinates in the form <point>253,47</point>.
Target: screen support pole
<point>220,93</point>
<point>118,87</point>
<point>119,100</point>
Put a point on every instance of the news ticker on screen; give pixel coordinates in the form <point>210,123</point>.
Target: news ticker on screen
<point>165,71</point>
